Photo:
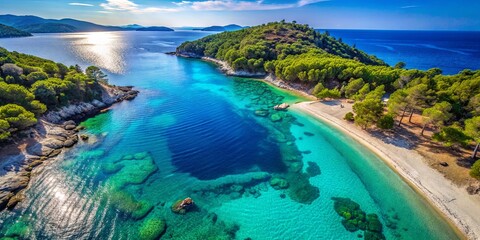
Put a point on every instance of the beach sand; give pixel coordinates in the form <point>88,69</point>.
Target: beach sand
<point>460,208</point>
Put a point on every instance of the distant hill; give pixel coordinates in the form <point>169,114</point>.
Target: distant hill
<point>231,27</point>
<point>49,28</point>
<point>132,26</point>
<point>10,32</point>
<point>213,29</point>
<point>156,29</point>
<point>39,24</point>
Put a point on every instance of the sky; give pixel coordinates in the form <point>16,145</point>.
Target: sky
<point>324,14</point>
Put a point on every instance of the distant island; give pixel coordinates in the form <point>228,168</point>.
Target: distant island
<point>11,32</point>
<point>155,29</point>
<point>132,26</point>
<point>231,27</point>
<point>34,24</point>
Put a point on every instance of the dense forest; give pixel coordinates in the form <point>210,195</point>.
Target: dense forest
<point>29,86</point>
<point>449,105</point>
<point>250,48</point>
<point>10,32</point>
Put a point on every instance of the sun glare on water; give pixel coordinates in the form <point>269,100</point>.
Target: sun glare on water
<point>103,49</point>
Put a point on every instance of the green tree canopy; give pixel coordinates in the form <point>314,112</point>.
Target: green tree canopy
<point>4,126</point>
<point>368,112</point>
<point>353,87</point>
<point>17,116</point>
<point>436,115</point>
<point>472,129</point>
<point>95,74</point>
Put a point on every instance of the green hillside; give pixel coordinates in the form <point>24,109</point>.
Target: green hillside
<point>30,85</point>
<point>250,48</point>
<point>10,32</point>
<point>49,28</point>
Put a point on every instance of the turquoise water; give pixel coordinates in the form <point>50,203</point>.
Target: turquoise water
<point>193,132</point>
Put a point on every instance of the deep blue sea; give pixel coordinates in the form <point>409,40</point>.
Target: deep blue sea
<point>451,51</point>
<point>194,132</point>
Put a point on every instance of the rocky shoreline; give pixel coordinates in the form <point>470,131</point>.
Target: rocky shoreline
<point>55,132</point>
<point>300,89</point>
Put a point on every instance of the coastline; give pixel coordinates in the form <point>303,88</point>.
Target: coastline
<point>55,132</point>
<point>270,79</point>
<point>459,208</point>
<point>452,202</point>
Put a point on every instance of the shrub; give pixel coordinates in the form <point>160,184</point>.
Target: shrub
<point>475,170</point>
<point>17,116</point>
<point>451,136</point>
<point>4,126</point>
<point>36,76</point>
<point>349,117</point>
<point>386,122</point>
<point>329,93</point>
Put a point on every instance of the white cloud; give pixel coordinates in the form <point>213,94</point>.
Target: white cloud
<point>126,5</point>
<point>119,5</point>
<point>105,12</point>
<point>302,3</point>
<point>233,5</point>
<point>207,5</point>
<point>80,4</point>
<point>182,3</point>
<point>409,6</point>
<point>218,5</point>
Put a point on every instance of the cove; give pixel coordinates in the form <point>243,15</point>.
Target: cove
<point>193,132</point>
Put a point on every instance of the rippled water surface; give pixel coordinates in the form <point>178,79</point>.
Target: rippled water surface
<point>193,132</point>
<point>451,51</point>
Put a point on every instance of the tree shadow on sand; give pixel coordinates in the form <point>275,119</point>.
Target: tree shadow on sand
<point>398,138</point>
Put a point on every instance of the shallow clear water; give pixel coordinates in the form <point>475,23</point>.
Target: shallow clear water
<point>193,132</point>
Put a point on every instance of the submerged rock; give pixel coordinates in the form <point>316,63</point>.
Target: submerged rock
<point>301,190</point>
<point>282,106</point>
<point>313,169</point>
<point>126,204</point>
<point>182,206</point>
<point>309,134</point>
<point>130,169</point>
<point>279,183</point>
<point>276,117</point>
<point>261,113</point>
<point>110,168</point>
<point>355,219</point>
<point>152,229</point>
<point>19,230</point>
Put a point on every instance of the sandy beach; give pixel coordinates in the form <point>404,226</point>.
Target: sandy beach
<point>462,209</point>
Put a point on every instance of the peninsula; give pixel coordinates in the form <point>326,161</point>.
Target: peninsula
<point>11,32</point>
<point>428,109</point>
